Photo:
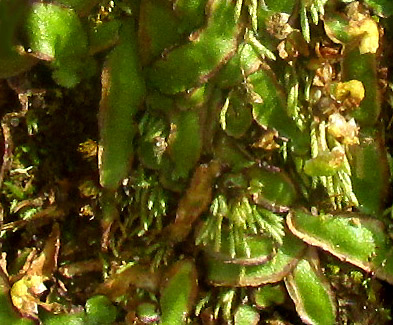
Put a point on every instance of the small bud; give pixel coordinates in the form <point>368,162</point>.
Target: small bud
<point>367,29</point>
<point>327,163</point>
<point>341,129</point>
<point>352,91</point>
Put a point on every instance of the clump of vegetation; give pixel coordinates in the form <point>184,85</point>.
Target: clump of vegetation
<point>195,161</point>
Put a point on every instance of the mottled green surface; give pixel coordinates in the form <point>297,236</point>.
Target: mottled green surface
<point>369,170</point>
<point>245,61</point>
<point>272,187</point>
<point>184,142</point>
<point>312,295</point>
<point>190,64</point>
<point>269,295</point>
<point>272,271</point>
<point>363,67</point>
<point>122,97</point>
<point>246,315</point>
<point>215,120</point>
<point>100,310</point>
<point>177,294</point>
<point>352,238</point>
<point>260,249</point>
<point>55,31</point>
<point>271,109</point>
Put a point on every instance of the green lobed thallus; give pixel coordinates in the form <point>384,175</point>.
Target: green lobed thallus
<point>193,63</point>
<point>120,101</point>
<point>13,57</point>
<point>190,67</point>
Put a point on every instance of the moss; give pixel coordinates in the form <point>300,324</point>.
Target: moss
<point>248,128</point>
